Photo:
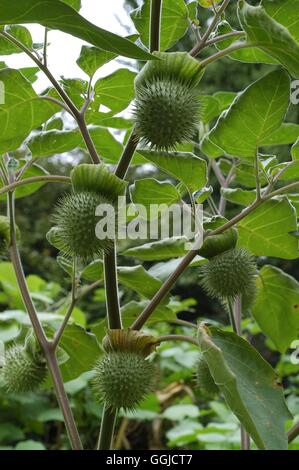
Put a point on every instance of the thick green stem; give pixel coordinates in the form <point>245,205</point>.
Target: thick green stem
<point>107,429</point>
<point>155,25</point>
<point>293,432</point>
<point>110,265</point>
<point>111,287</point>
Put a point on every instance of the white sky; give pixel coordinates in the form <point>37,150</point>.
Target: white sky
<point>64,49</point>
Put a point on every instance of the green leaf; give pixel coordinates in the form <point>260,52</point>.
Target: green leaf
<point>254,115</point>
<point>23,191</point>
<point>139,280</point>
<point>284,12</point>
<point>277,305</point>
<point>174,22</point>
<point>213,105</point>
<point>295,150</point>
<point>30,445</point>
<point>249,54</point>
<point>267,230</point>
<point>290,171</point>
<point>160,250</point>
<point>20,33</point>
<point>287,133</point>
<point>82,348</point>
<point>57,15</point>
<point>116,91</point>
<point>9,329</point>
<point>239,196</point>
<point>269,36</point>
<point>92,58</point>
<point>249,385</point>
<point>76,4</point>
<point>22,111</point>
<point>185,167</point>
<point>45,144</point>
<point>149,192</point>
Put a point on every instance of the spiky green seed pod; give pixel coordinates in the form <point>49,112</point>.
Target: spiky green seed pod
<point>229,274</point>
<point>75,232</point>
<point>97,179</point>
<point>204,380</point>
<point>4,234</point>
<point>167,102</point>
<point>22,371</point>
<point>123,379</point>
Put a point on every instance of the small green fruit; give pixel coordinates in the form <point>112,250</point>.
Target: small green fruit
<point>204,379</point>
<point>167,101</point>
<point>22,371</point>
<point>166,114</point>
<point>75,232</point>
<point>123,379</point>
<point>229,275</point>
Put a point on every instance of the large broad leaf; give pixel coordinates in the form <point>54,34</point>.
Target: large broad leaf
<point>268,35</point>
<point>45,144</point>
<point>287,133</point>
<point>277,306</point>
<point>284,12</point>
<point>22,110</point>
<point>249,54</point>
<point>92,58</point>
<point>21,33</point>
<point>185,167</point>
<point>254,115</point>
<point>240,196</point>
<point>148,192</point>
<point>81,347</point>
<point>116,91</point>
<point>161,250</point>
<point>174,22</point>
<point>249,385</point>
<point>55,14</point>
<point>139,280</point>
<point>268,230</point>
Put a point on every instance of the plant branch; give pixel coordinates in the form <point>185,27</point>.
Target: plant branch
<point>71,106</point>
<point>223,37</point>
<point>127,155</point>
<point>40,334</point>
<point>257,176</point>
<point>107,429</point>
<point>201,44</point>
<point>293,432</point>
<point>224,52</point>
<point>35,179</point>
<point>111,286</point>
<point>155,25</point>
<point>45,53</point>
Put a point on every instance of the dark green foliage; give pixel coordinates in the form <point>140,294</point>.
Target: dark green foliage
<point>204,379</point>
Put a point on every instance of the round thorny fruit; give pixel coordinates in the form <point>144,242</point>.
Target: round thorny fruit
<point>229,275</point>
<point>167,100</point>
<point>204,380</point>
<point>75,226</point>
<point>22,371</point>
<point>4,234</point>
<point>166,114</point>
<point>123,379</point>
